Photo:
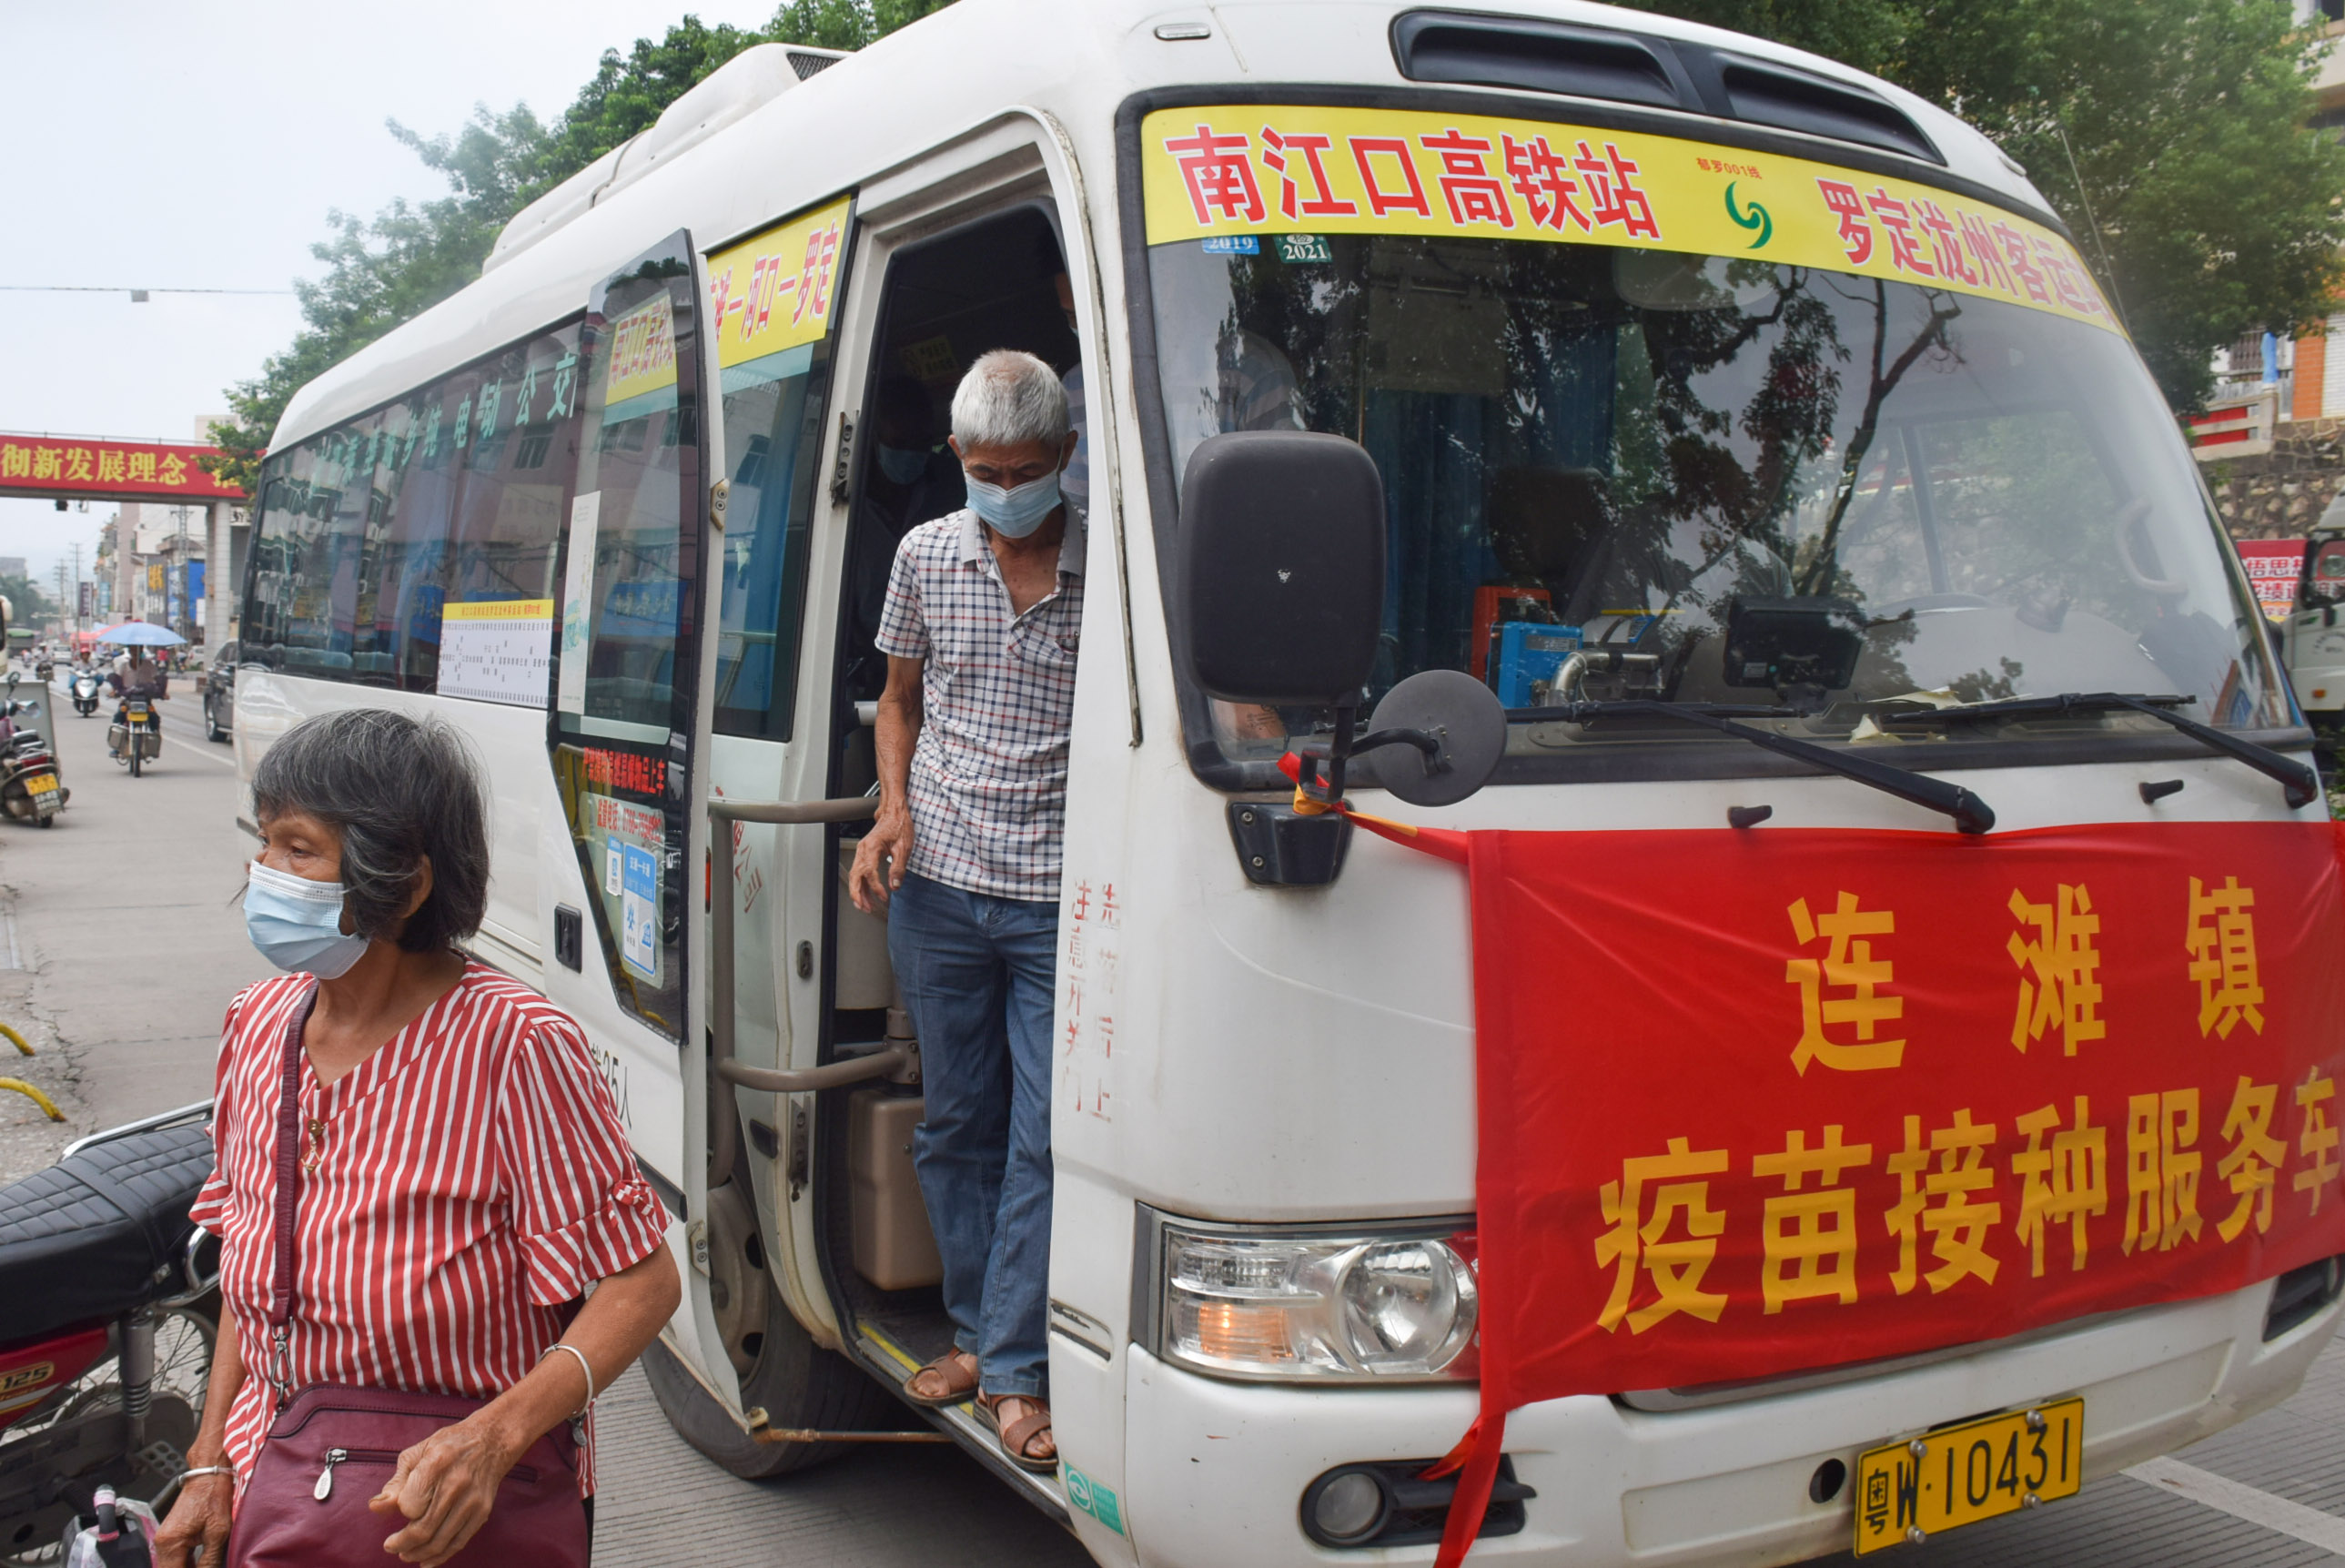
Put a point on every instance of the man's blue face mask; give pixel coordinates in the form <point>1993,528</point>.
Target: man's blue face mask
<point>1015,514</point>
<point>297,923</point>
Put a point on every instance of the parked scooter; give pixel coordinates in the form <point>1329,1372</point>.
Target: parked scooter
<point>109,1301</point>
<point>29,785</point>
<point>85,687</point>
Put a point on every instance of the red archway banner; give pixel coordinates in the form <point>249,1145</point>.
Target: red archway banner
<point>1751,1103</point>
<point>91,466</point>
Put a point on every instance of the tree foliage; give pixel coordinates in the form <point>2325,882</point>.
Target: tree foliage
<point>409,255</point>
<point>2197,191</point>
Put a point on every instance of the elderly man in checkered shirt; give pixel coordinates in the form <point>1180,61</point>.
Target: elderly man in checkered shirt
<point>984,612</point>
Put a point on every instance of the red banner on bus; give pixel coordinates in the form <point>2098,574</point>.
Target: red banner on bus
<point>1756,1102</point>
<point>65,465</point>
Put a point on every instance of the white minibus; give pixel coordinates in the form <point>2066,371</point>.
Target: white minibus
<point>1654,432</point>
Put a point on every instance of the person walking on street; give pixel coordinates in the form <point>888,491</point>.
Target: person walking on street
<point>463,1180</point>
<point>983,617</point>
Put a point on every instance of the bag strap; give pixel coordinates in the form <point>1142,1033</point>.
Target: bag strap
<point>286,1171</point>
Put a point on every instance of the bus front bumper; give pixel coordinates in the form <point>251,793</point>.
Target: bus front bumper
<point>1216,1470</point>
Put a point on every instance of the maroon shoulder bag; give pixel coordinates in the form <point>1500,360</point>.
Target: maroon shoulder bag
<point>332,1447</point>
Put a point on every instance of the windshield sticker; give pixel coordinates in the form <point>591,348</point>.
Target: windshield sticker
<point>773,292</point>
<point>1221,173</point>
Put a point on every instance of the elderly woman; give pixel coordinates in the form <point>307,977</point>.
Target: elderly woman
<point>464,1177</point>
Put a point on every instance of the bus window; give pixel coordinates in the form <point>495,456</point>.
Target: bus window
<point>623,705</point>
<point>453,495</point>
<point>1633,445</point>
<point>773,349</point>
<point>2324,575</point>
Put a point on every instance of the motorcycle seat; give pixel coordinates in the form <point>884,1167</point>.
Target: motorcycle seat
<point>100,1232</point>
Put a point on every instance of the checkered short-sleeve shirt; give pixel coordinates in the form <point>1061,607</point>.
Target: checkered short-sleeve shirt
<point>988,776</point>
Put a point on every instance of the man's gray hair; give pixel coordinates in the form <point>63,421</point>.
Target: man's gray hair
<point>1007,399</point>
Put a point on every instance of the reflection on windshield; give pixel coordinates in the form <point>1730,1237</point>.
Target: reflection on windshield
<point>1769,486</point>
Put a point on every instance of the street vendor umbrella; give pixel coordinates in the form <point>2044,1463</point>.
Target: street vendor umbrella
<point>141,633</point>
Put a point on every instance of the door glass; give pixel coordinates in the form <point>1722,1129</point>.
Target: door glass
<point>624,692</point>
<point>769,304</point>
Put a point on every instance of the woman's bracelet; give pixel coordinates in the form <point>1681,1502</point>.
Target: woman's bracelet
<point>565,1344</point>
<point>226,1469</point>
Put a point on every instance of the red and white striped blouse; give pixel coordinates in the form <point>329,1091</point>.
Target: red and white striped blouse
<point>470,1181</point>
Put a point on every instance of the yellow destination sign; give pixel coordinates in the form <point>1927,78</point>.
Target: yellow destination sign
<point>643,351</point>
<point>499,610</point>
<point>775,290</point>
<point>1215,172</point>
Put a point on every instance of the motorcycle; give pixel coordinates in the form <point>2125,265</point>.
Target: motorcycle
<point>85,689</point>
<point>135,721</point>
<point>28,768</point>
<point>110,1303</point>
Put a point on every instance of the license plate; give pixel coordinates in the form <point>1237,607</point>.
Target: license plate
<point>41,784</point>
<point>1909,1491</point>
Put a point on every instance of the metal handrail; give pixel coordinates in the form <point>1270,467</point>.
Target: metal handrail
<point>724,1073</point>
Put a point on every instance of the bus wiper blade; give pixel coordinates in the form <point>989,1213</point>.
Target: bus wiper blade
<point>2299,785</point>
<point>1971,814</point>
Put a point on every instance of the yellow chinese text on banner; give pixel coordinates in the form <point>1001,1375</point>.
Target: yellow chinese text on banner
<point>1215,171</point>
<point>772,293</point>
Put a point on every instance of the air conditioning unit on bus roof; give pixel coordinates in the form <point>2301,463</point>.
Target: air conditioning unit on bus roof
<point>748,81</point>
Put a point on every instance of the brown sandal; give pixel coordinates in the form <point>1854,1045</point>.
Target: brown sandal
<point>1034,1423</point>
<point>956,1372</point>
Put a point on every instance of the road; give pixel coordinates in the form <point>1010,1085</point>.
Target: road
<point>120,945</point>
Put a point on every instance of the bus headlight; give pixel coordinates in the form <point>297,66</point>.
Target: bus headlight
<point>1358,1308</point>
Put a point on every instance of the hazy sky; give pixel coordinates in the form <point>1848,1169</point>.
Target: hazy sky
<point>200,144</point>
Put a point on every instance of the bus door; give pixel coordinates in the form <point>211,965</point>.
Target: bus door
<point>959,254</point>
<point>773,299</point>
<point>622,734</point>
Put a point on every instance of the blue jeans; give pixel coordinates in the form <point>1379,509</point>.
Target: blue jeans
<point>978,974</point>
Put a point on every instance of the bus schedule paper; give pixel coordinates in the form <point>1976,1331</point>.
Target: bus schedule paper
<point>1757,1102</point>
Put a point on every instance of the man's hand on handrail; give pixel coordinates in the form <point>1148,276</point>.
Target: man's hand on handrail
<point>894,737</point>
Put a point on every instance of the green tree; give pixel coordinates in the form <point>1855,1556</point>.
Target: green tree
<point>33,606</point>
<point>2197,191</point>
<point>384,271</point>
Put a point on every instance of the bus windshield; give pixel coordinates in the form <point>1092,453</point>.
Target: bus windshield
<point>1823,498</point>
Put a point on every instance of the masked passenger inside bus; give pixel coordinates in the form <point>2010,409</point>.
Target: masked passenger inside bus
<point>910,479</point>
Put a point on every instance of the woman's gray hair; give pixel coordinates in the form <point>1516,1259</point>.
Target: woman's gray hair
<point>1009,398</point>
<point>398,792</point>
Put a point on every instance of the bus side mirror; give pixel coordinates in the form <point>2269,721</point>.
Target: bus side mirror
<point>1279,567</point>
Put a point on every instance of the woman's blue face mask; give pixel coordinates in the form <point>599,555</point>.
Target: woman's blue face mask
<point>297,923</point>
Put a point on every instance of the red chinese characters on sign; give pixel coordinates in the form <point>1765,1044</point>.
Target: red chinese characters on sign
<point>1924,241</point>
<point>626,770</point>
<point>65,465</point>
<point>1471,181</point>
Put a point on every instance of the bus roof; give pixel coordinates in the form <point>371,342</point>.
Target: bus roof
<point>958,69</point>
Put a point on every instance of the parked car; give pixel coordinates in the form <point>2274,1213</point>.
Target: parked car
<point>217,684</point>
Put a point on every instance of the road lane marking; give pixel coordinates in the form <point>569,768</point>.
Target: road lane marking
<point>2309,1526</point>
<point>204,751</point>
